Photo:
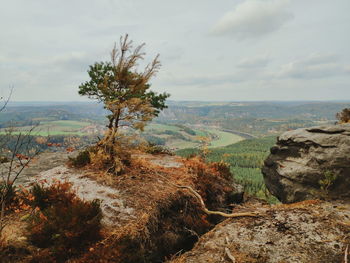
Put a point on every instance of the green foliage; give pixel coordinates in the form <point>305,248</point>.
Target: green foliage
<point>99,73</point>
<point>186,129</point>
<point>327,181</point>
<point>125,93</point>
<point>189,131</point>
<point>122,88</point>
<point>61,222</point>
<point>154,140</point>
<point>176,135</point>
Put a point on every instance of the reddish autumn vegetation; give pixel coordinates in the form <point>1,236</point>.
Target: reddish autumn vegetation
<point>168,219</point>
<point>61,222</point>
<point>57,222</point>
<point>212,183</point>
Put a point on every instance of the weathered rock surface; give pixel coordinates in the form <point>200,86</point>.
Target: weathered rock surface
<point>303,157</point>
<point>309,231</point>
<point>113,206</point>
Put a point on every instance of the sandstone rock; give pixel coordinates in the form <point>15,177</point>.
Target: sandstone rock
<point>303,157</point>
<point>309,231</point>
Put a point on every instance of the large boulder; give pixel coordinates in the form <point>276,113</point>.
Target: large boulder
<point>309,231</point>
<point>310,163</point>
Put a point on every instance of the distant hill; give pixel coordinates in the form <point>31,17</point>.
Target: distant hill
<point>29,113</point>
<point>278,110</point>
<point>256,118</point>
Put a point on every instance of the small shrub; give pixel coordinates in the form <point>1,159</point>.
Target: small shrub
<point>44,197</point>
<point>62,222</point>
<point>4,159</point>
<point>9,191</point>
<point>189,131</point>
<point>114,158</point>
<point>82,159</point>
<point>154,140</point>
<point>344,115</point>
<point>223,168</point>
<point>41,196</point>
<point>327,181</point>
<point>213,181</point>
<point>158,149</point>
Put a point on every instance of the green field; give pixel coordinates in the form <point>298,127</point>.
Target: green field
<point>201,133</point>
<point>46,128</point>
<point>175,136</point>
<point>161,127</point>
<point>182,137</point>
<point>223,138</point>
<point>68,124</point>
<point>181,144</point>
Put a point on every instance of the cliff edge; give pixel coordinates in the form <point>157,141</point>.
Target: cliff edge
<point>309,171</point>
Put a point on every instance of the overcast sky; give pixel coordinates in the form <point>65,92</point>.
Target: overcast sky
<point>210,50</point>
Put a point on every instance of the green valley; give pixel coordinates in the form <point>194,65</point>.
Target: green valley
<point>245,159</point>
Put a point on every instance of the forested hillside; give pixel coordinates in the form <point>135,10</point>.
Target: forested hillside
<point>245,159</point>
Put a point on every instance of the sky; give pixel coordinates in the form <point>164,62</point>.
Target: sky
<point>223,50</point>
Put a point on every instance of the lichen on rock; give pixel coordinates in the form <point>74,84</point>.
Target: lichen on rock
<point>308,231</point>
<point>310,163</point>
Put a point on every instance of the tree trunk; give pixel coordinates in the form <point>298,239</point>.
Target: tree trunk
<point>116,126</point>
<point>2,214</point>
<point>110,125</point>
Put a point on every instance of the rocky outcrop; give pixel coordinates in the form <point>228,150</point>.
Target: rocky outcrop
<point>309,231</point>
<point>310,163</point>
<point>147,215</point>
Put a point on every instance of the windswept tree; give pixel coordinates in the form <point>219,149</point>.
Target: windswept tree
<point>125,91</point>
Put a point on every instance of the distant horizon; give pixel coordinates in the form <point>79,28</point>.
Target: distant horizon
<point>234,50</point>
<point>214,101</point>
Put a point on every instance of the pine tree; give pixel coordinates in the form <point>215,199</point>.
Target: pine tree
<point>124,90</point>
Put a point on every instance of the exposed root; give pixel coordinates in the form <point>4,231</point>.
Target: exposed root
<point>205,209</point>
<point>229,255</point>
<point>346,254</point>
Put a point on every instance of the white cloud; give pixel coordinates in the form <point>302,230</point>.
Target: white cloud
<point>255,62</point>
<point>312,67</point>
<point>318,58</point>
<point>347,69</point>
<point>254,18</point>
<point>203,80</point>
<point>46,52</point>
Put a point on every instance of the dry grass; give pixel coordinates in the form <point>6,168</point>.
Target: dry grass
<point>168,219</point>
